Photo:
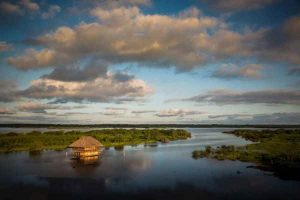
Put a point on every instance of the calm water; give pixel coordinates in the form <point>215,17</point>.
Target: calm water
<point>164,172</point>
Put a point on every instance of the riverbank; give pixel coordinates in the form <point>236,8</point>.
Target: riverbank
<point>275,150</point>
<point>59,140</point>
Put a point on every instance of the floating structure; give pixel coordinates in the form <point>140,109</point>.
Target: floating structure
<point>86,147</point>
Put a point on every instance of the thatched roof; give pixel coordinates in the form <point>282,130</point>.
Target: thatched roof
<point>86,141</point>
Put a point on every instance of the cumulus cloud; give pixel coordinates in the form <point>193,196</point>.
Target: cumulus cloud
<point>33,59</point>
<point>52,11</point>
<point>223,97</point>
<point>238,5</point>
<point>104,89</point>
<point>4,46</point>
<point>231,71</point>
<point>127,35</point>
<point>177,113</point>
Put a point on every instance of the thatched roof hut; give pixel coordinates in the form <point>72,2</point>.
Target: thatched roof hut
<point>86,146</point>
<point>86,142</point>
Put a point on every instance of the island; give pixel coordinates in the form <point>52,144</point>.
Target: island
<point>59,140</point>
<point>271,150</point>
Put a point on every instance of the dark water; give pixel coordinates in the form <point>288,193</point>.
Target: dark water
<point>164,172</point>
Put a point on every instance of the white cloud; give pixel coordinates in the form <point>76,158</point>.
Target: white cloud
<point>127,35</point>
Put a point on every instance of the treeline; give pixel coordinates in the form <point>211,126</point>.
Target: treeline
<point>58,140</point>
<point>148,126</point>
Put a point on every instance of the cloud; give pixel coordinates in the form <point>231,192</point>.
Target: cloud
<point>177,113</point>
<point>231,71</point>
<point>224,97</point>
<point>294,70</point>
<point>229,116</point>
<point>52,11</point>
<point>36,107</point>
<point>10,8</point>
<point>137,112</point>
<point>30,5</point>
<point>102,89</point>
<point>114,111</point>
<point>6,111</point>
<point>33,59</point>
<point>273,118</point>
<point>239,5</point>
<point>8,91</point>
<point>282,43</point>
<point>19,8</point>
<point>186,41</point>
<point>4,46</point>
<point>76,73</point>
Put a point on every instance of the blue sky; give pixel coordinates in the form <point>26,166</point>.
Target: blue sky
<point>147,61</point>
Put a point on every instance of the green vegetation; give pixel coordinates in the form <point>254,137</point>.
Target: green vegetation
<point>58,140</point>
<point>277,150</point>
<point>66,126</point>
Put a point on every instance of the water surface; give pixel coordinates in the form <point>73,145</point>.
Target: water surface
<point>165,171</point>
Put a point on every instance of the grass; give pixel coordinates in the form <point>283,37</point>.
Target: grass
<point>277,150</point>
<point>59,140</point>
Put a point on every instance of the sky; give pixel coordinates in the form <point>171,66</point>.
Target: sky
<point>150,61</point>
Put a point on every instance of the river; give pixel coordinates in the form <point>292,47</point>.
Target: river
<point>166,171</point>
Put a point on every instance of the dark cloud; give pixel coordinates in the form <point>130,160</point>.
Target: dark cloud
<point>122,77</point>
<point>238,5</point>
<point>273,118</point>
<point>223,97</point>
<point>8,91</point>
<point>75,73</point>
<point>251,71</point>
<point>281,44</point>
<point>294,70</point>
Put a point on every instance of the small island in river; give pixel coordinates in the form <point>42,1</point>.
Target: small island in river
<point>274,150</point>
<point>59,140</point>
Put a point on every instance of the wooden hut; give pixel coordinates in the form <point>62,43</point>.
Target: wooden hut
<point>86,146</point>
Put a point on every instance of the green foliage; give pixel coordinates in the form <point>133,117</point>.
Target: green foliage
<point>277,148</point>
<point>58,140</point>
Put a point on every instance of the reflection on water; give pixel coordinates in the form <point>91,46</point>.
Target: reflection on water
<point>83,161</point>
<point>138,172</point>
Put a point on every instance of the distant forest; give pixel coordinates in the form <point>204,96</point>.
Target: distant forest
<point>148,126</point>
